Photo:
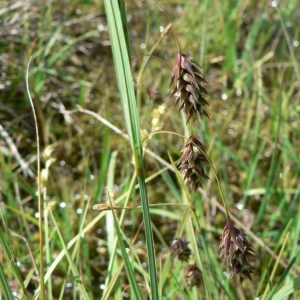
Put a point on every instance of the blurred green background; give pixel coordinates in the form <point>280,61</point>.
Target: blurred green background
<point>249,52</point>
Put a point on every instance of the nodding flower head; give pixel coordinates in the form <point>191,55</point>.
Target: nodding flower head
<point>187,87</point>
<point>192,163</point>
<point>237,251</point>
<point>181,250</point>
<point>193,275</point>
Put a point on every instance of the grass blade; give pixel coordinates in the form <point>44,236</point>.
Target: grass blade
<point>127,262</point>
<point>283,276</point>
<point>125,83</point>
<point>5,286</point>
<point>74,269</point>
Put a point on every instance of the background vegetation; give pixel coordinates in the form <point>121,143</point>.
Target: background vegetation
<point>249,51</point>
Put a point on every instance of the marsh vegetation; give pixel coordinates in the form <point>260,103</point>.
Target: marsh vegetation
<point>249,55</point>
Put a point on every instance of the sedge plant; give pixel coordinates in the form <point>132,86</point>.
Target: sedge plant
<point>240,148</point>
<point>188,89</point>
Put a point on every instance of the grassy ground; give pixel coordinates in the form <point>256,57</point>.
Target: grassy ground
<point>249,51</point>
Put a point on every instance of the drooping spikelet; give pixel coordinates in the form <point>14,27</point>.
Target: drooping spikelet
<point>237,250</point>
<point>192,162</point>
<point>193,275</point>
<point>181,250</point>
<point>188,90</point>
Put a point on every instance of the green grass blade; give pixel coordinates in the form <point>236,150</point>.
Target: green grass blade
<point>74,269</point>
<point>127,262</point>
<point>8,252</point>
<point>283,276</point>
<point>5,287</point>
<point>288,289</point>
<point>126,89</point>
<point>110,230</point>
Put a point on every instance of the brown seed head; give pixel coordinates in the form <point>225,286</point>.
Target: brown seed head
<point>193,275</point>
<point>181,250</point>
<point>237,250</point>
<point>187,82</point>
<point>192,162</point>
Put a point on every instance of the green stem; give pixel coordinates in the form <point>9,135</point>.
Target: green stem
<point>40,198</point>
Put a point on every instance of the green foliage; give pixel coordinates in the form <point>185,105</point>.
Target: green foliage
<point>249,52</point>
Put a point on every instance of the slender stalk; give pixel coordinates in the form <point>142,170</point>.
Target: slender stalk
<point>221,192</point>
<point>39,183</point>
<point>173,27</point>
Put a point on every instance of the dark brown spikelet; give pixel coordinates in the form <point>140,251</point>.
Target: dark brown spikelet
<point>192,162</point>
<point>181,250</point>
<point>193,275</point>
<point>187,82</point>
<point>237,251</point>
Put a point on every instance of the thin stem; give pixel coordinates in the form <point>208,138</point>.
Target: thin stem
<point>221,191</point>
<point>218,182</point>
<point>40,198</point>
<point>173,27</point>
